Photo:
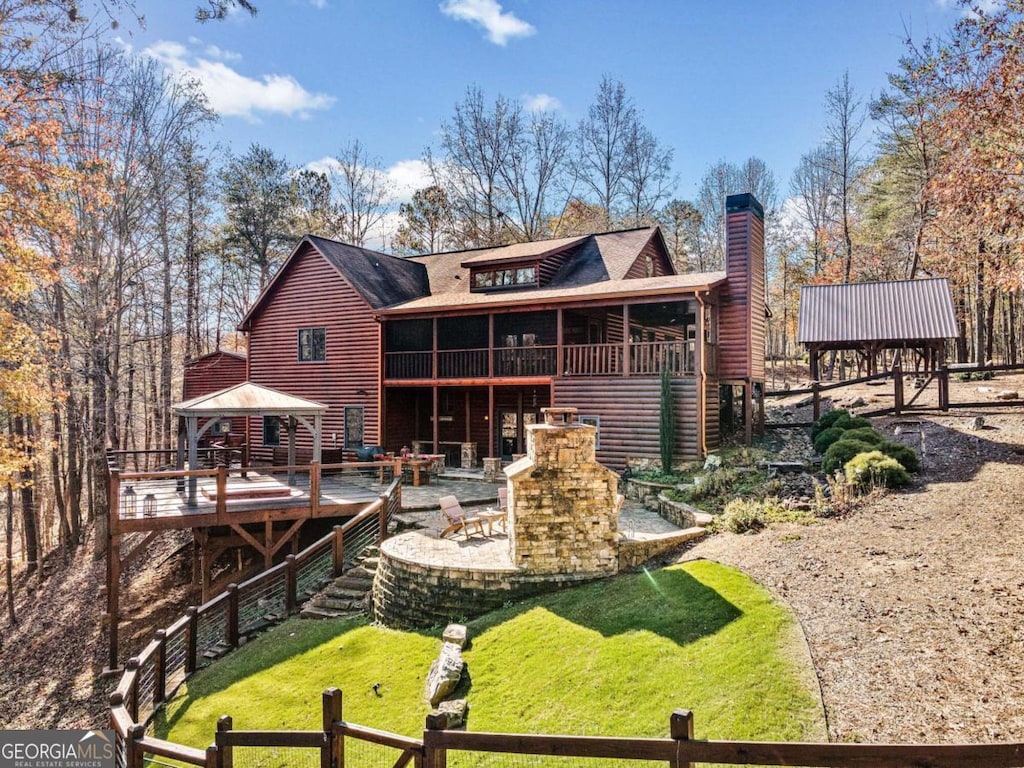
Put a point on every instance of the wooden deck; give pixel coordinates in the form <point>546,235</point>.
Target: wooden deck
<point>258,496</point>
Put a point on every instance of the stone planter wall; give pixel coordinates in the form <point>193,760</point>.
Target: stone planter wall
<point>677,512</point>
<point>410,595</point>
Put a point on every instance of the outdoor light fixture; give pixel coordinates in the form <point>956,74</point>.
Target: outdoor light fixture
<point>149,505</point>
<point>128,501</point>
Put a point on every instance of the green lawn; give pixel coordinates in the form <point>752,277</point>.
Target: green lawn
<point>614,657</point>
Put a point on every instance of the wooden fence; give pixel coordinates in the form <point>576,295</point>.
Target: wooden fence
<point>339,742</point>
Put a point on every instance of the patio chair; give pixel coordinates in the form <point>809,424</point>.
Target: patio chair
<point>500,515</point>
<point>457,519</point>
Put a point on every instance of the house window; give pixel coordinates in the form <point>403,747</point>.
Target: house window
<point>312,344</point>
<point>513,277</point>
<point>354,427</point>
<point>593,421</point>
<point>271,431</point>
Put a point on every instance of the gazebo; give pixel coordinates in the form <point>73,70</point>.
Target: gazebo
<point>869,318</point>
<point>246,400</point>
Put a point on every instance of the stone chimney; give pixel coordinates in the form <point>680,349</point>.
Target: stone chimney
<point>741,320</point>
<point>561,502</point>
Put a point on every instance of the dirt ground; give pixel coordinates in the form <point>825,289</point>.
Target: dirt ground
<point>912,606</point>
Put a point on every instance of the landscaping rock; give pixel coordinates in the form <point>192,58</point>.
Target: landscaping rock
<point>1007,394</point>
<point>858,402</point>
<point>455,710</point>
<point>712,462</point>
<point>445,673</point>
<point>455,633</point>
<point>978,422</point>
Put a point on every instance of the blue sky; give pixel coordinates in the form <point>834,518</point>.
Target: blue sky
<point>714,80</point>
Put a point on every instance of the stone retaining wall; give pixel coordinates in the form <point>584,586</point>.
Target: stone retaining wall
<point>409,595</point>
<point>677,512</point>
<point>643,491</point>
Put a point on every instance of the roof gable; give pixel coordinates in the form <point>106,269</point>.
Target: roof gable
<point>380,279</point>
<point>883,311</point>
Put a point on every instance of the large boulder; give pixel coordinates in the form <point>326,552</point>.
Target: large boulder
<point>445,673</point>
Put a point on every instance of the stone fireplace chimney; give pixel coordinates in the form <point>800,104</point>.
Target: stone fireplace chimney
<point>561,504</point>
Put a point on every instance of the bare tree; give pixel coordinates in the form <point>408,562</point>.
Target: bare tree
<point>426,222</point>
<point>813,188</point>
<point>363,192</point>
<point>720,180</point>
<point>680,223</point>
<point>603,141</point>
<point>539,152</point>
<point>648,176</point>
<point>845,120</point>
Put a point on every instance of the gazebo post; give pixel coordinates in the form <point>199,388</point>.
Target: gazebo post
<point>291,450</point>
<point>179,462</point>
<point>318,430</point>
<point>192,424</point>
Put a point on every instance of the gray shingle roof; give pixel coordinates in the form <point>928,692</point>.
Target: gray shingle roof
<point>381,279</point>
<point>885,311</point>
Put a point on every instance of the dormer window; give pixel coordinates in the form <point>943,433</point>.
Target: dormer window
<point>505,277</point>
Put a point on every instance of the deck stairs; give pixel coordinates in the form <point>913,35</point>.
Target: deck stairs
<point>347,595</point>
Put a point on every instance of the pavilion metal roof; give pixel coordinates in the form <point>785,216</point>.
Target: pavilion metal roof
<point>883,311</point>
<point>248,399</point>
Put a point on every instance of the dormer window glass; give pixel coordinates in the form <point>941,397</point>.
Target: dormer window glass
<point>505,277</point>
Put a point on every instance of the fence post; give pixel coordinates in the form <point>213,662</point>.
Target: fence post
<point>226,756</point>
<point>434,757</point>
<point>192,640</point>
<point>160,667</point>
<point>816,395</point>
<point>291,597</point>
<point>338,550</point>
<point>212,757</point>
<point>382,519</point>
<point>333,753</point>
<point>134,757</point>
<point>231,631</point>
<point>681,729</point>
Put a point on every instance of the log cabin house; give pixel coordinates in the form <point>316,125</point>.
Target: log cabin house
<point>457,352</point>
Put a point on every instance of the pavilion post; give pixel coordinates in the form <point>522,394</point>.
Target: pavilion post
<point>192,427</point>
<point>291,450</point>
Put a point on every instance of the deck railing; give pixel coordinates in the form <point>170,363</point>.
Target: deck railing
<point>646,358</point>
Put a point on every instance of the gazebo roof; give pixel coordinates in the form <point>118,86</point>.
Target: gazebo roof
<point>248,399</point>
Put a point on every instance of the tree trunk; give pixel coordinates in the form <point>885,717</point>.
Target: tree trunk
<point>12,617</point>
<point>27,477</point>
<point>979,306</point>
<point>990,335</point>
<point>1011,325</point>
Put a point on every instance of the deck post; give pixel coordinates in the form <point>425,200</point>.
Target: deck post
<point>136,733</point>
<point>314,488</point>
<point>291,597</point>
<point>231,630</point>
<point>192,640</point>
<point>222,493</point>
<point>160,668</point>
<point>338,550</point>
<point>681,729</point>
<point>332,755</point>
<point>382,519</point>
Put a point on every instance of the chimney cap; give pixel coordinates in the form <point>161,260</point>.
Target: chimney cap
<point>743,203</point>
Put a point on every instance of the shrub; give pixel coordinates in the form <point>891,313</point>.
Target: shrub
<point>743,516</point>
<point>841,452</point>
<point>826,437</point>
<point>875,468</point>
<point>866,434</point>
<point>851,422</point>
<point>904,454</point>
<point>717,483</point>
<point>827,420</point>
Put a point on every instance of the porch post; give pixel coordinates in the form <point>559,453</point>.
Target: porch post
<point>291,450</point>
<point>192,427</point>
<point>625,340</point>
<point>559,361</point>
<point>490,352</point>
<point>436,428</point>
<point>490,420</point>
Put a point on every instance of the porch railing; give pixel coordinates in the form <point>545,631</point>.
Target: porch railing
<point>646,358</point>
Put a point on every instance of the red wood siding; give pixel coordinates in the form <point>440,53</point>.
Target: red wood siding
<point>630,413</point>
<point>741,329</point>
<point>312,295</point>
<point>660,259</point>
<point>712,416</point>
<point>212,373</point>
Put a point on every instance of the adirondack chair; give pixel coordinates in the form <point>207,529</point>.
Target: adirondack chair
<point>457,519</point>
<point>500,515</point>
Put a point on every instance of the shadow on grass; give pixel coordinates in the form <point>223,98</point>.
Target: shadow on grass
<point>668,602</point>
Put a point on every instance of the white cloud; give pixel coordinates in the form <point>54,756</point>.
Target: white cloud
<point>216,52</point>
<point>500,27</point>
<point>987,7</point>
<point>541,102</point>
<point>233,94</point>
<point>405,176</point>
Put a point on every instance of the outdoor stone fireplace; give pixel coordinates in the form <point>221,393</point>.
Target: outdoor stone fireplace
<point>561,502</point>
<point>562,531</point>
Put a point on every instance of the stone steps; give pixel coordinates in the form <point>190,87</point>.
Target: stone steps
<point>346,595</point>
